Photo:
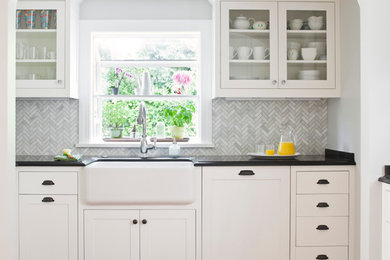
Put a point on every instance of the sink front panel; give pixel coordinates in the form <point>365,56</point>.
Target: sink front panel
<point>138,183</point>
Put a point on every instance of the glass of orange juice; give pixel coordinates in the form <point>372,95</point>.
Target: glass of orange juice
<point>269,149</point>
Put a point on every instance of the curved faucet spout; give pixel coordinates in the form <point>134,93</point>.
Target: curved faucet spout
<point>144,146</point>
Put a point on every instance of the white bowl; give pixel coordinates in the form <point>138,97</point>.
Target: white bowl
<point>296,24</point>
<point>309,53</point>
<point>315,25</point>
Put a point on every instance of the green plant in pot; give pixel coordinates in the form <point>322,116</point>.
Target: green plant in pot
<point>177,117</point>
<point>120,76</point>
<point>116,118</point>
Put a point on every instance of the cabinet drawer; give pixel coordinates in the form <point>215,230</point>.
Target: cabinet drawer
<point>329,253</point>
<point>322,231</point>
<point>322,182</point>
<point>327,205</point>
<point>47,182</point>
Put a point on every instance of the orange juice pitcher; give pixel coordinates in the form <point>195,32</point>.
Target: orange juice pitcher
<point>287,143</point>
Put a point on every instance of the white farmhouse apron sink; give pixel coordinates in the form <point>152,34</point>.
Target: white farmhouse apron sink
<point>136,183</point>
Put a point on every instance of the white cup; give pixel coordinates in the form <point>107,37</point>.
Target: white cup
<point>260,53</point>
<point>296,24</point>
<point>51,55</point>
<point>232,52</point>
<point>309,53</point>
<point>292,54</point>
<point>244,52</point>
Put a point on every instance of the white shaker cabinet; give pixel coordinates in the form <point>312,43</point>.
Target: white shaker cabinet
<point>111,234</point>
<point>246,213</point>
<point>289,68</point>
<point>139,234</point>
<point>45,47</point>
<point>48,227</point>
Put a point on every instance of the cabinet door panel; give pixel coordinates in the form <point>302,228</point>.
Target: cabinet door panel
<point>307,69</point>
<point>249,57</point>
<point>246,216</point>
<point>167,234</point>
<point>111,234</point>
<point>48,230</point>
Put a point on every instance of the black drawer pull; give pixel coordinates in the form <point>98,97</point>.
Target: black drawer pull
<point>322,205</point>
<point>322,257</point>
<point>246,173</point>
<point>322,227</point>
<point>144,221</point>
<point>323,181</point>
<point>48,199</point>
<point>48,182</point>
<point>135,222</point>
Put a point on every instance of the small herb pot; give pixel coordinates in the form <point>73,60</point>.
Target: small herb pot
<point>178,132</point>
<point>115,91</point>
<point>116,132</point>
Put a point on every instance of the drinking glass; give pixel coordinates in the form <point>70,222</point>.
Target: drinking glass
<point>270,149</point>
<point>44,15</point>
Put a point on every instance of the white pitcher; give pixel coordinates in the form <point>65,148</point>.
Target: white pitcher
<point>147,85</point>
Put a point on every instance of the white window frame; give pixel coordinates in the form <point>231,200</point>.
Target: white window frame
<point>86,81</point>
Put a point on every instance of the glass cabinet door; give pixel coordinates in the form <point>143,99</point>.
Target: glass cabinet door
<point>249,49</point>
<point>307,45</point>
<point>40,40</point>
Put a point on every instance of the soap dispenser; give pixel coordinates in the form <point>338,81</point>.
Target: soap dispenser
<point>174,148</point>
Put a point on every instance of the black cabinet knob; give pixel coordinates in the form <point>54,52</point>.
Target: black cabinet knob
<point>144,221</point>
<point>48,182</point>
<point>322,205</point>
<point>246,173</point>
<point>135,222</point>
<point>322,227</point>
<point>322,257</point>
<point>323,181</point>
<point>47,199</point>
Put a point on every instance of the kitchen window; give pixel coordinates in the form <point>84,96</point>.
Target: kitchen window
<point>172,63</point>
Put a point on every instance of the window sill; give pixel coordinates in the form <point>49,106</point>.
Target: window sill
<point>136,145</point>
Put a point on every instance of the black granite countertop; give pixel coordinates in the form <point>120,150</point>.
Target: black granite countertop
<point>386,178</point>
<point>331,157</point>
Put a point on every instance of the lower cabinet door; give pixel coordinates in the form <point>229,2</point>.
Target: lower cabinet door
<point>48,227</point>
<point>167,234</point>
<point>111,234</point>
<point>246,213</point>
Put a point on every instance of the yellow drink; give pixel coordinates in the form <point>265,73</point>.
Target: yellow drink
<point>286,148</point>
<point>270,152</point>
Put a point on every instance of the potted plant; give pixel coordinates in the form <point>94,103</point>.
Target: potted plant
<point>182,79</point>
<point>116,118</point>
<point>120,75</point>
<point>177,117</point>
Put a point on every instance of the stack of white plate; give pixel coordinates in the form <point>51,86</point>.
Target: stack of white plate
<point>309,75</point>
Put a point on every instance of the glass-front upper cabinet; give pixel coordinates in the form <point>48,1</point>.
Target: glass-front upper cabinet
<point>307,45</point>
<point>249,45</point>
<point>40,41</point>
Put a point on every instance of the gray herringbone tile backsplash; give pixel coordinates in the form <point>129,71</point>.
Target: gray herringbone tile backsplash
<point>45,127</point>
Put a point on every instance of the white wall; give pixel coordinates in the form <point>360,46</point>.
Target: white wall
<point>8,203</point>
<point>375,119</point>
<point>145,9</point>
<point>344,113</point>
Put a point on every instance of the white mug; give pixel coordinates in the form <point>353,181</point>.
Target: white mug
<point>260,53</point>
<point>309,53</point>
<point>244,52</point>
<point>292,54</point>
<point>232,52</point>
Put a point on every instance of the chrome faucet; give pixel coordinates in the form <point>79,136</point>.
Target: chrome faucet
<point>141,120</point>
